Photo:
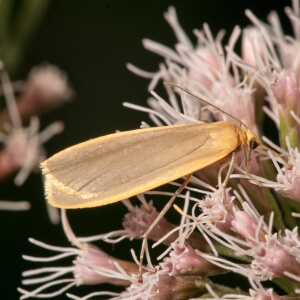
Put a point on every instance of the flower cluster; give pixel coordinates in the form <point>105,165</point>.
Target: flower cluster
<point>22,145</point>
<point>248,226</point>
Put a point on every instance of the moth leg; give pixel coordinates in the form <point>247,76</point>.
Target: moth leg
<point>247,157</point>
<point>230,169</point>
<point>156,221</point>
<point>229,172</point>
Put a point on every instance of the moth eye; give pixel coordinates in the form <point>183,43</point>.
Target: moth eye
<point>253,144</point>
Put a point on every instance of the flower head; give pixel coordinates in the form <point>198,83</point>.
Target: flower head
<point>23,149</point>
<point>236,217</point>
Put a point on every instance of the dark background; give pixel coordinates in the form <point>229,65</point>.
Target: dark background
<point>92,40</point>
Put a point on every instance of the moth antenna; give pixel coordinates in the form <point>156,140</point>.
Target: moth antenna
<point>204,101</point>
<point>228,114</point>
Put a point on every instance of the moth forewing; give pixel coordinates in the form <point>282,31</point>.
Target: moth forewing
<point>117,166</point>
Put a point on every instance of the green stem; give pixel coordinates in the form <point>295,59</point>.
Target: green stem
<point>6,7</point>
<point>26,22</point>
<point>288,286</point>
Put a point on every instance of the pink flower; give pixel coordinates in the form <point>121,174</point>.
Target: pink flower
<point>138,220</point>
<point>277,260</point>
<point>292,184</point>
<point>251,43</point>
<point>236,101</point>
<point>46,88</point>
<point>183,260</point>
<point>23,149</point>
<point>246,227</point>
<point>289,177</point>
<point>286,88</point>
<point>100,261</point>
<point>215,211</point>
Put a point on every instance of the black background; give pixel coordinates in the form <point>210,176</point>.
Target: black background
<point>92,40</point>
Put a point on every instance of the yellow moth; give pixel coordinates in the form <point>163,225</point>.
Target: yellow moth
<point>117,166</point>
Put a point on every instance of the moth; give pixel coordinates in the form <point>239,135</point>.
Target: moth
<point>117,166</point>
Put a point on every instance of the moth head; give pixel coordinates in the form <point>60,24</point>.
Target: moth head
<point>252,140</point>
